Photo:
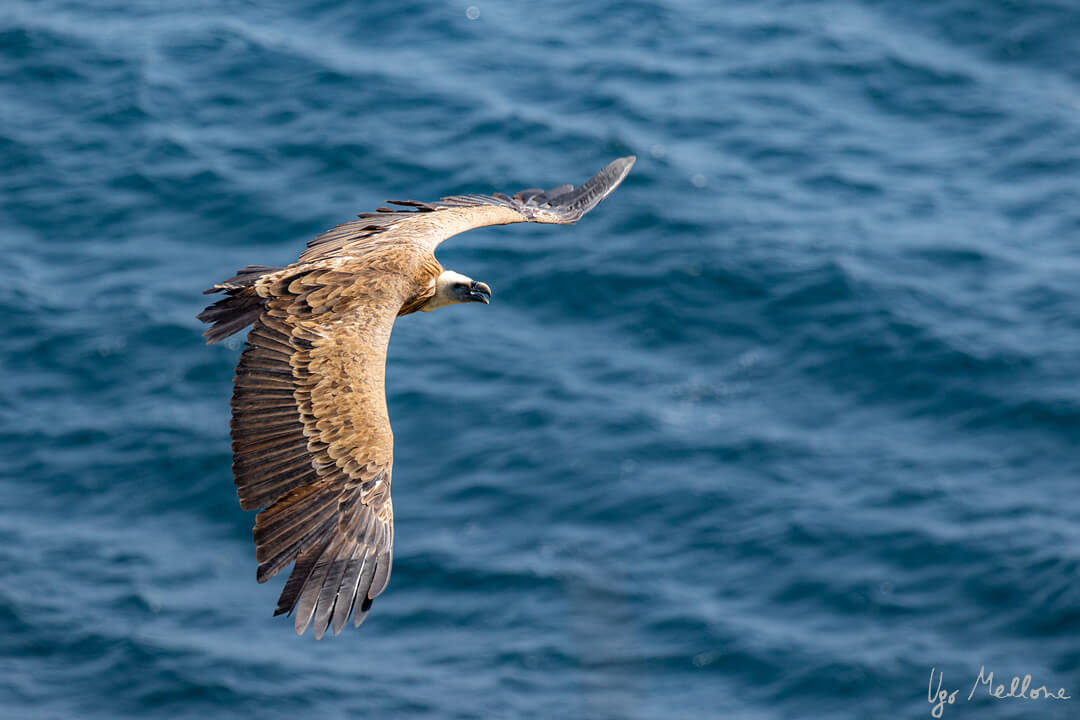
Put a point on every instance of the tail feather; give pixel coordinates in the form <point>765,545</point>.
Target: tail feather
<point>244,277</point>
<point>239,308</point>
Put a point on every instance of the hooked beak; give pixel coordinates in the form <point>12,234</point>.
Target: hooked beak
<point>479,292</point>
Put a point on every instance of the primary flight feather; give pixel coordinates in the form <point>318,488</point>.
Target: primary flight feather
<point>312,445</point>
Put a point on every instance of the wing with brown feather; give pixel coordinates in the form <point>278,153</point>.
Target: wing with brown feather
<point>431,223</point>
<point>312,442</point>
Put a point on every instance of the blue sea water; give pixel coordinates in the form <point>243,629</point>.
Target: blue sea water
<point>790,419</point>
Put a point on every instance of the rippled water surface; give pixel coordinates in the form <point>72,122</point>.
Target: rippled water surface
<point>790,419</point>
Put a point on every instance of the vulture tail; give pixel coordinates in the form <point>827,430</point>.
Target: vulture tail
<point>241,306</point>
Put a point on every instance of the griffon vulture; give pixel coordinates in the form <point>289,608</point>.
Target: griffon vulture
<point>311,440</point>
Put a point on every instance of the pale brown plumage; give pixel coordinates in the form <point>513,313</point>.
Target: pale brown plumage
<point>312,445</point>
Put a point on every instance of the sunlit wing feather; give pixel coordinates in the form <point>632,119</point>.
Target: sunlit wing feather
<point>432,223</point>
<point>312,441</point>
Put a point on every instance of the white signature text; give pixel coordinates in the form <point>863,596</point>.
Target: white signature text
<point>939,697</point>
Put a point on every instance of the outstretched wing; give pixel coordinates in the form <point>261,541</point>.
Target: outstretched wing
<point>429,224</point>
<point>312,442</point>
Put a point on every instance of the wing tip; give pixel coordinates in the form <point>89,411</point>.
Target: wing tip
<point>616,171</point>
<point>574,204</point>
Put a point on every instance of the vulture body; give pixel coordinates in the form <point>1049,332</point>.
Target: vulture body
<point>311,439</point>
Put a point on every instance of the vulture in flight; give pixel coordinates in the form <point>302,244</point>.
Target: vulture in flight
<point>311,440</point>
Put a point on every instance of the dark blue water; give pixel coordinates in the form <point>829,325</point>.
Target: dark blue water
<point>790,419</point>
